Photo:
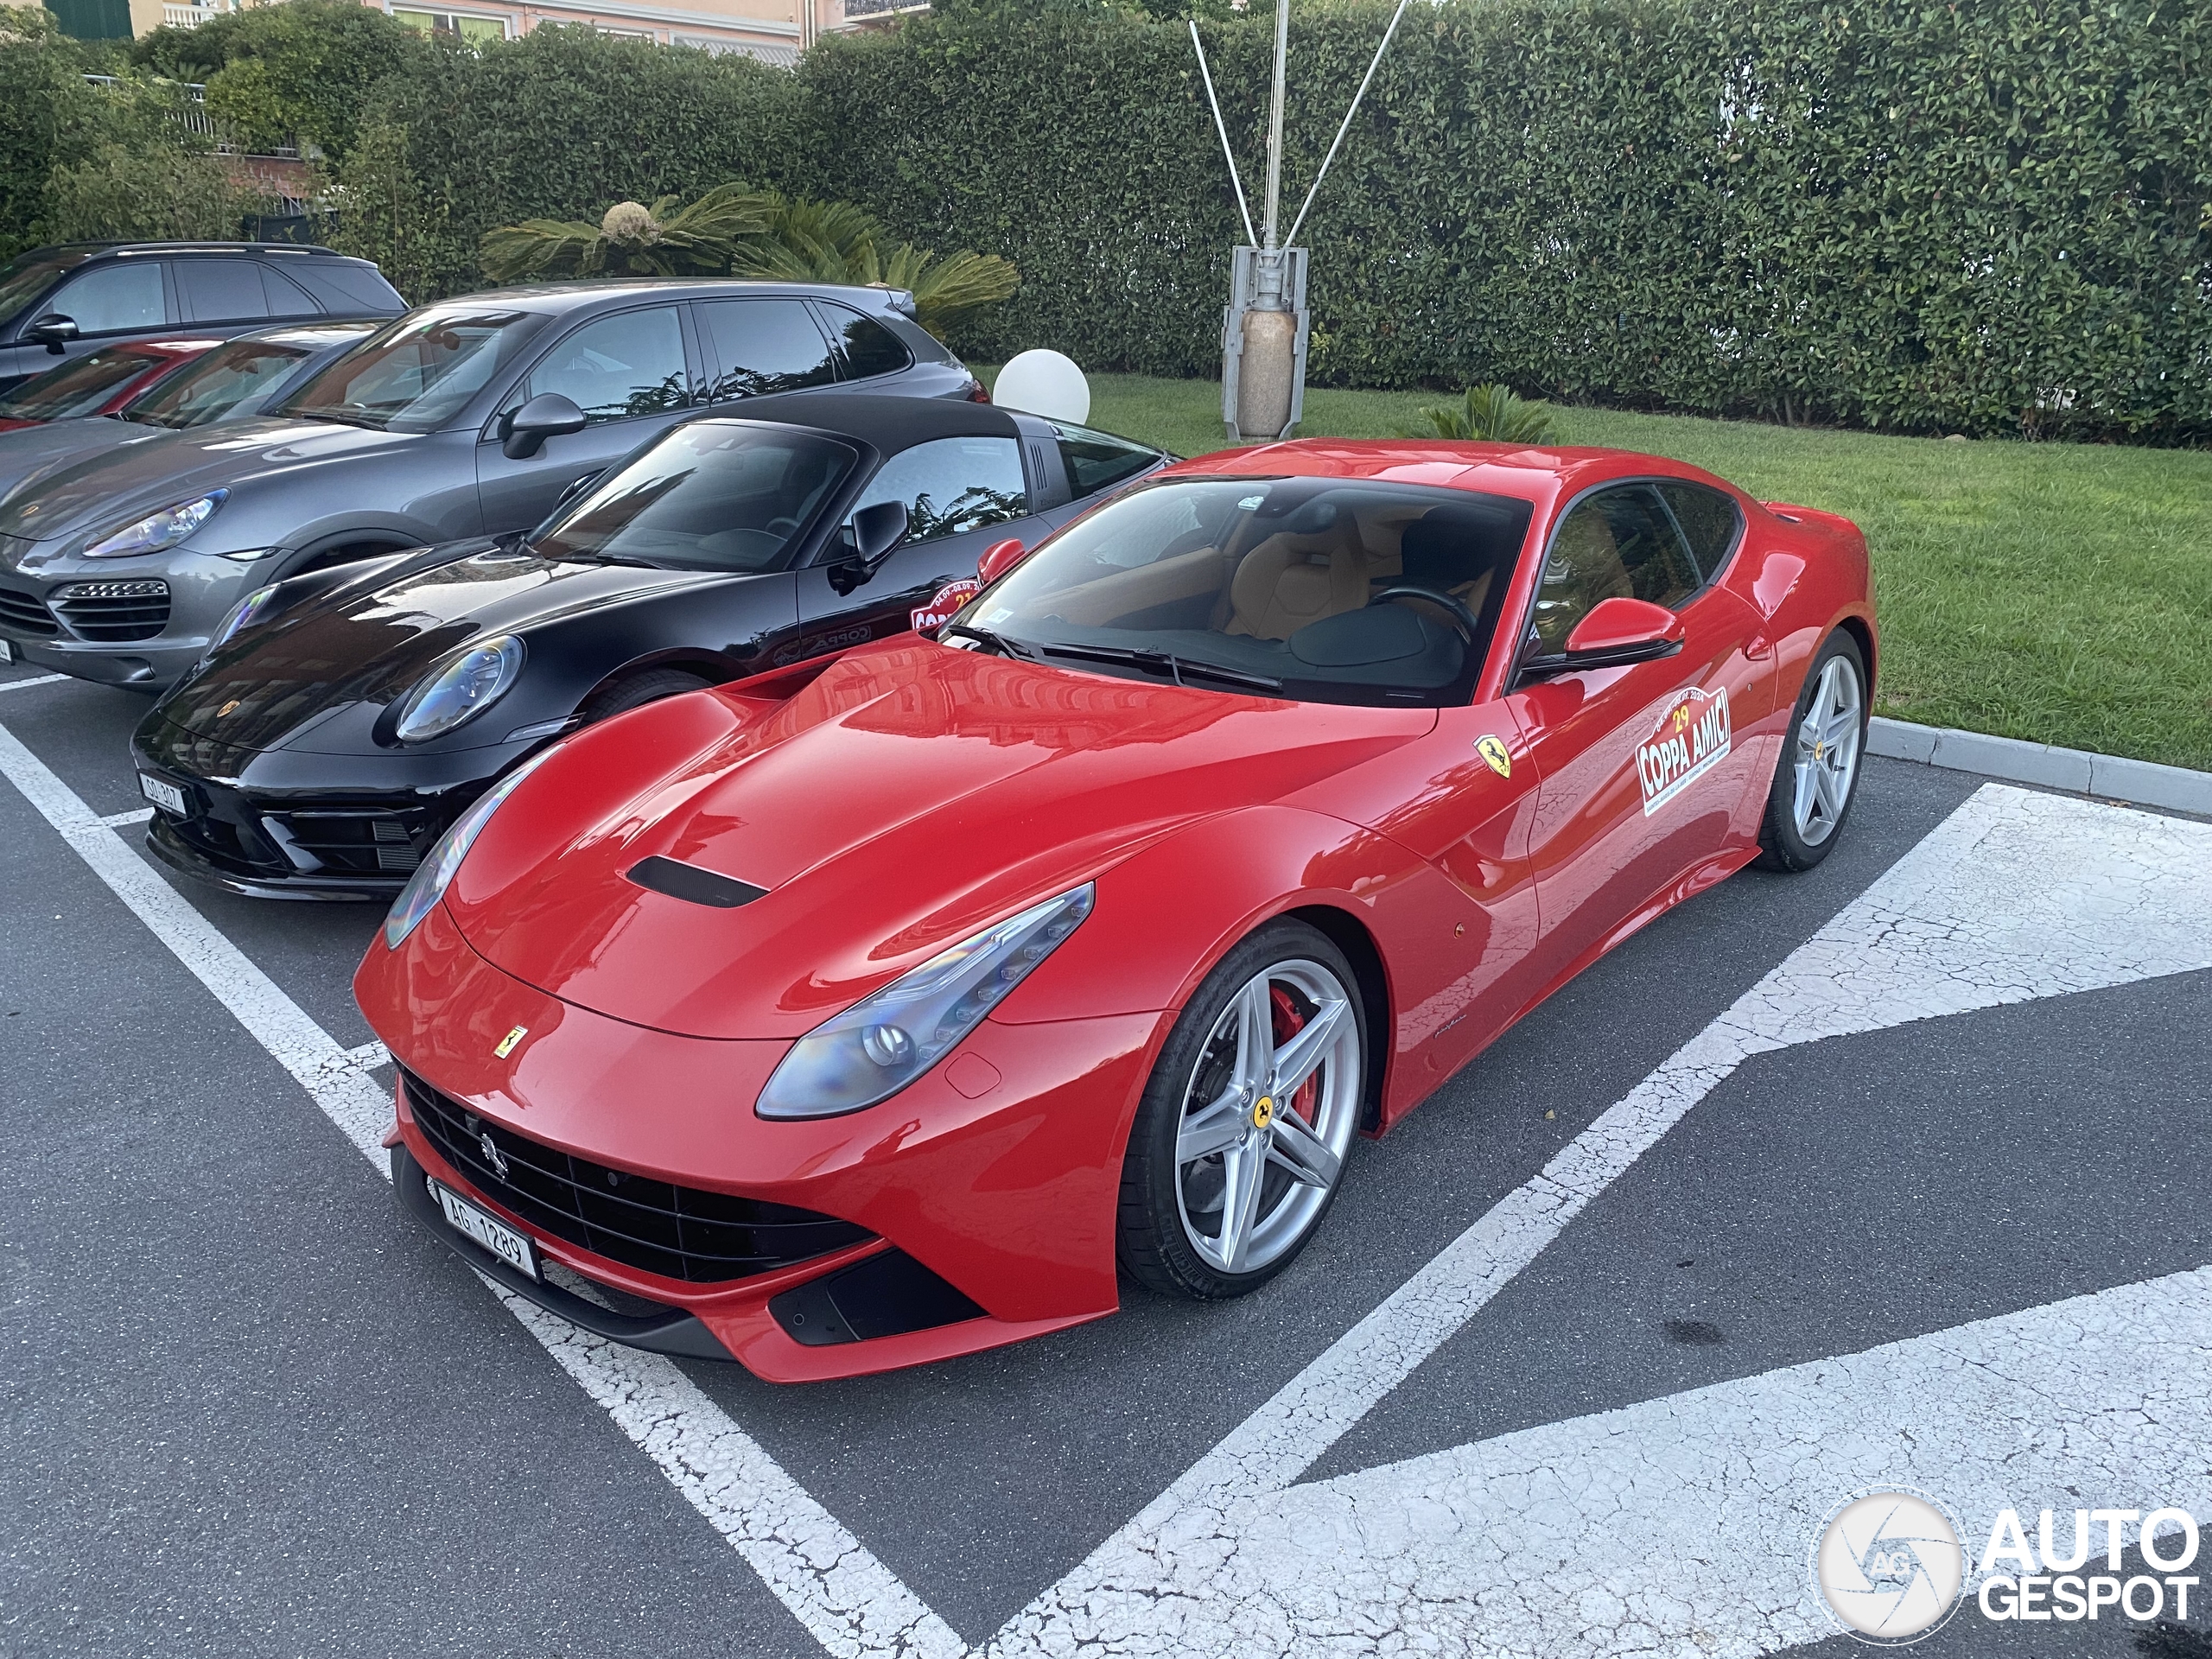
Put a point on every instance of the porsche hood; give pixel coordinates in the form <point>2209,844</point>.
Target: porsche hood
<point>74,503</point>
<point>315,679</point>
<point>902,801</point>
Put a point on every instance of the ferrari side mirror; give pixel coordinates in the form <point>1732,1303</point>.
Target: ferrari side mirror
<point>54,331</point>
<point>999,558</point>
<point>1616,632</point>
<point>548,414</point>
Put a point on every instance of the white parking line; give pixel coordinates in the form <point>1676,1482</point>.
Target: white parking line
<point>2015,895</point>
<point>24,685</point>
<point>123,820</point>
<point>1683,1525</point>
<point>848,1599</point>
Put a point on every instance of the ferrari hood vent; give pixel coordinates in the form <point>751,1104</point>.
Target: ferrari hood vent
<point>680,880</point>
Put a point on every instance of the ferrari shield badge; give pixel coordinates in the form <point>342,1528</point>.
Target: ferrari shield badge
<point>1692,738</point>
<point>1492,749</point>
<point>508,1042</point>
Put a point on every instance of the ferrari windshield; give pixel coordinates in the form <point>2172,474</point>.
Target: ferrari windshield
<point>714,495</point>
<point>219,382</point>
<point>1320,589</point>
<point>77,388</point>
<point>419,373</point>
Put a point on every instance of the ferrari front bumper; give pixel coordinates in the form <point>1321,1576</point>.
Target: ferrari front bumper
<point>974,1209</point>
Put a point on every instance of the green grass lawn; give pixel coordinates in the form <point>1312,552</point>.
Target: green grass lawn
<point>2060,593</point>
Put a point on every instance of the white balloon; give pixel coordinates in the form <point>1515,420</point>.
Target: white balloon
<point>1044,383</point>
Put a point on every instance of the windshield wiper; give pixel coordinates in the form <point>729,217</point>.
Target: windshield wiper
<point>1160,662</point>
<point>611,558</point>
<point>999,642</point>
<point>365,423</point>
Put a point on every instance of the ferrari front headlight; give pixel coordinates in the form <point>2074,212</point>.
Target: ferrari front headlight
<point>436,872</point>
<point>884,1042</point>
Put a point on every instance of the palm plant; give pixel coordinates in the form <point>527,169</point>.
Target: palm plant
<point>1489,413</point>
<point>837,242</point>
<point>631,239</point>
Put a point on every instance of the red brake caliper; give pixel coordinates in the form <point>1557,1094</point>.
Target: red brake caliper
<point>1288,1022</point>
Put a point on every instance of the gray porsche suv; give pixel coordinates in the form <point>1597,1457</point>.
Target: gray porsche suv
<point>469,418</point>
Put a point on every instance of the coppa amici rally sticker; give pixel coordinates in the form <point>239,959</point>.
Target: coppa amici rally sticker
<point>1691,739</point>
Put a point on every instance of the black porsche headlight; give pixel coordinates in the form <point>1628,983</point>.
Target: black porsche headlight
<point>884,1042</point>
<point>463,689</point>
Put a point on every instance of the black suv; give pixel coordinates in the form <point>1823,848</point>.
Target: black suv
<point>57,303</point>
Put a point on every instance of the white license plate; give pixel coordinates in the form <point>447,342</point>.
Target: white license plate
<point>496,1237</point>
<point>7,652</point>
<point>168,797</point>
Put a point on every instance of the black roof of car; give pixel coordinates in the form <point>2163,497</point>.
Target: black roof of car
<point>889,423</point>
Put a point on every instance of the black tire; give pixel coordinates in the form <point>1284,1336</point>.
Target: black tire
<point>637,691</point>
<point>1781,845</point>
<point>1151,1242</point>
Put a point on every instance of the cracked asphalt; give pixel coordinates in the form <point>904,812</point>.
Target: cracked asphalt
<point>249,1409</point>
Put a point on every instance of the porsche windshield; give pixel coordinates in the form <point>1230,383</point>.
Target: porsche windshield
<point>216,384</point>
<point>418,374</point>
<point>714,495</point>
<point>1323,590</point>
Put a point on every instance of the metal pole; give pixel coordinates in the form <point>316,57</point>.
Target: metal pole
<point>1275,120</point>
<point>1226,154</point>
<point>1372,66</point>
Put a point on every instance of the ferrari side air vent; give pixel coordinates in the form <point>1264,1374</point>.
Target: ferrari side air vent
<point>680,880</point>
<point>885,1295</point>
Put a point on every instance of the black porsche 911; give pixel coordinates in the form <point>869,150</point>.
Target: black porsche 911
<point>342,719</point>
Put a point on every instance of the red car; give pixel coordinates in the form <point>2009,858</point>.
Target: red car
<point>99,382</point>
<point>882,1008</point>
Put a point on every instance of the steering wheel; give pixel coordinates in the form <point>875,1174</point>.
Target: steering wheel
<point>1453,607</point>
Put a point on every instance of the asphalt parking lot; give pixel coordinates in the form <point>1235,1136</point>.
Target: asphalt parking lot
<point>1893,1173</point>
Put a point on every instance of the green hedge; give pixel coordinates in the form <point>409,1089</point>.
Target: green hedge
<point>1983,216</point>
<point>557,124</point>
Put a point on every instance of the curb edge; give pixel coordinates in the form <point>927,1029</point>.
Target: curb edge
<point>2143,783</point>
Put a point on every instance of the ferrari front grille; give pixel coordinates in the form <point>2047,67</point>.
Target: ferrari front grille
<point>22,613</point>
<point>110,613</point>
<point>677,1232</point>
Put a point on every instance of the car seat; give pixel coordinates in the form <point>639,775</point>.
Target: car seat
<point>1312,568</point>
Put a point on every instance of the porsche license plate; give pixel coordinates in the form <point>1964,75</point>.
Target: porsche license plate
<point>7,651</point>
<point>168,797</point>
<point>496,1237</point>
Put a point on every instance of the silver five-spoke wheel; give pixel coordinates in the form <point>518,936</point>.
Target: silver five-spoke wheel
<point>1242,1135</point>
<point>1267,1113</point>
<point>1826,762</point>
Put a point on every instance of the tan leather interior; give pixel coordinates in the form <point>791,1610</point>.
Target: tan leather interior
<point>1285,583</point>
<point>1104,600</point>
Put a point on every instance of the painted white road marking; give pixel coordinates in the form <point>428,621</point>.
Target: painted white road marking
<point>847,1601</point>
<point>123,820</point>
<point>2015,895</point>
<point>22,685</point>
<point>1683,1525</point>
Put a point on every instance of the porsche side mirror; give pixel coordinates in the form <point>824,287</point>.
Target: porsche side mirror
<point>999,558</point>
<point>548,414</point>
<point>54,331</point>
<point>1617,632</point>
<point>869,538</point>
